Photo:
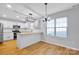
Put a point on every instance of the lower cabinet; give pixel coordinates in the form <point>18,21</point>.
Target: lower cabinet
<point>7,36</point>
<point>24,40</point>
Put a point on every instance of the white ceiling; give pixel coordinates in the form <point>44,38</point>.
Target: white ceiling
<point>20,10</point>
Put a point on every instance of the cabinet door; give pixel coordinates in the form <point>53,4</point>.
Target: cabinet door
<point>6,36</point>
<point>10,36</point>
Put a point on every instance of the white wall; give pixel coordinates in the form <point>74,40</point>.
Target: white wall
<point>73,29</point>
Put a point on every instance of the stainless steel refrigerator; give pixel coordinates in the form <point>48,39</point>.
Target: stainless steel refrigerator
<point>1,33</point>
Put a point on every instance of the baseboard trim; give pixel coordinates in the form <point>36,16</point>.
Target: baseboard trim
<point>61,45</point>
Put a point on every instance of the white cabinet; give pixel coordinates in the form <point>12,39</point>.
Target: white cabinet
<point>7,34</point>
<point>27,39</point>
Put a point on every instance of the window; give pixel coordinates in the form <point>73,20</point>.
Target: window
<point>61,27</point>
<point>50,27</point>
<point>57,27</point>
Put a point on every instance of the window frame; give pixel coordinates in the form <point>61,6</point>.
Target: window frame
<point>60,27</point>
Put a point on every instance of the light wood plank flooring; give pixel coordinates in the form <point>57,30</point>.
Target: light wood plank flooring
<point>40,48</point>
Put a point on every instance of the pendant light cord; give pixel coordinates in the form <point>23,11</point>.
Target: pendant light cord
<point>45,11</point>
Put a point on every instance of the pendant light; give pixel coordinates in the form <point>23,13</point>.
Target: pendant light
<point>29,18</point>
<point>45,19</point>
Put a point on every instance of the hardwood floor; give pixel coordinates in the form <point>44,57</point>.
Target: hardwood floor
<point>40,48</point>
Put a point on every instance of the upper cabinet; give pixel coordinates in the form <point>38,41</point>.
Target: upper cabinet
<point>9,24</point>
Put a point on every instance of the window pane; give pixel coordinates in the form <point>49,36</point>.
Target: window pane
<point>50,23</point>
<point>61,32</point>
<point>61,22</point>
<point>50,31</point>
<point>50,27</point>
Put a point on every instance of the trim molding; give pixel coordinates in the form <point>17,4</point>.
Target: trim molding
<point>62,45</point>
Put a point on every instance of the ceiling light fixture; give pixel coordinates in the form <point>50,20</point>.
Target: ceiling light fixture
<point>45,19</point>
<point>9,6</point>
<point>29,18</point>
<point>4,15</point>
<point>17,16</point>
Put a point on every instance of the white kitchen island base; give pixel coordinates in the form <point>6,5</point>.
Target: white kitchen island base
<point>27,39</point>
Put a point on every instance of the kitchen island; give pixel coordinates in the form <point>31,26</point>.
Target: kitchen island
<point>25,39</point>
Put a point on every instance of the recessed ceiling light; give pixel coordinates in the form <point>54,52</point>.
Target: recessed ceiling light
<point>17,16</point>
<point>9,6</point>
<point>4,15</point>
